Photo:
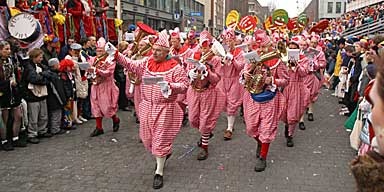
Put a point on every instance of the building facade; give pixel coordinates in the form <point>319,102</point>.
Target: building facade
<point>256,9</point>
<point>163,14</point>
<point>325,9</point>
<point>240,5</point>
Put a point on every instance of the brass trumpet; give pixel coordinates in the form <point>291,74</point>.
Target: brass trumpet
<point>98,64</point>
<point>200,84</point>
<point>144,31</point>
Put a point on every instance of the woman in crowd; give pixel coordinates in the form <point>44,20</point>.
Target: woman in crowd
<point>10,99</point>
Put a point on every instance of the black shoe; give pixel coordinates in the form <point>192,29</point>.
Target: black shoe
<point>127,109</point>
<point>19,143</point>
<point>310,116</point>
<point>258,150</point>
<point>261,164</point>
<point>185,120</point>
<point>97,132</point>
<point>301,126</point>
<point>158,181</point>
<point>7,146</point>
<point>289,141</point>
<point>45,135</point>
<point>33,140</point>
<point>286,131</point>
<point>62,131</point>
<point>203,154</point>
<point>116,126</point>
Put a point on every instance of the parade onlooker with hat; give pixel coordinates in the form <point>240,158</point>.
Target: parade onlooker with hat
<point>81,82</point>
<point>49,48</point>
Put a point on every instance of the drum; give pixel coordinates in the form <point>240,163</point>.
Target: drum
<point>24,27</point>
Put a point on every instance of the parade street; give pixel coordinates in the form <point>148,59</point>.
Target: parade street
<point>318,162</point>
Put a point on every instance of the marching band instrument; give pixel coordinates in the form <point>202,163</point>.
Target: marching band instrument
<point>98,64</point>
<point>259,71</point>
<point>24,27</point>
<point>200,84</point>
<point>144,31</point>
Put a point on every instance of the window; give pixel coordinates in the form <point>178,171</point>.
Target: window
<point>338,7</point>
<point>330,7</point>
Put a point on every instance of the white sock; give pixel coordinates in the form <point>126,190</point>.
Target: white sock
<point>160,165</point>
<point>3,141</point>
<point>310,108</point>
<point>231,122</point>
<point>302,119</point>
<point>15,138</point>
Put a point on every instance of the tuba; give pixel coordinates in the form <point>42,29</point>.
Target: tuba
<point>259,71</point>
<point>201,84</point>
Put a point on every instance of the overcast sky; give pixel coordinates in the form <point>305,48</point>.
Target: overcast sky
<point>289,5</point>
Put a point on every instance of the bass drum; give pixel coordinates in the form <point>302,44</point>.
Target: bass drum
<point>24,27</point>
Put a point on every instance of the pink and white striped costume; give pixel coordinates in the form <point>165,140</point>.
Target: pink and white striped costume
<point>261,119</point>
<point>160,117</point>
<point>311,81</point>
<point>296,94</point>
<point>229,83</point>
<point>104,96</point>
<point>204,108</point>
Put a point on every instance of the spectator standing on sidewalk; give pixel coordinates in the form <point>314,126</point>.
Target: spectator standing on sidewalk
<point>35,84</point>
<point>55,98</point>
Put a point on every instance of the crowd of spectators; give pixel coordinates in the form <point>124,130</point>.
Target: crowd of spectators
<point>353,19</point>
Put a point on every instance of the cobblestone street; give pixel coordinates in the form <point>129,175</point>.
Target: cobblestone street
<point>319,161</point>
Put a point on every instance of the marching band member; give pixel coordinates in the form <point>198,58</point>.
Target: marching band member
<point>160,114</point>
<point>296,93</point>
<point>104,92</point>
<point>180,54</point>
<point>319,64</point>
<point>177,51</point>
<point>261,118</point>
<point>229,83</point>
<point>204,99</point>
<point>135,81</point>
<point>310,78</point>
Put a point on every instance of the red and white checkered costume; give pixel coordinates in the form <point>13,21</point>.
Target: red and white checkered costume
<point>311,81</point>
<point>296,94</point>
<point>204,108</point>
<point>229,83</point>
<point>160,118</point>
<point>261,119</point>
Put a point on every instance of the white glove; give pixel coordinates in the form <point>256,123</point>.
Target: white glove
<point>165,89</point>
<point>228,57</point>
<point>110,49</point>
<point>192,74</point>
<point>204,74</point>
<point>202,67</point>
